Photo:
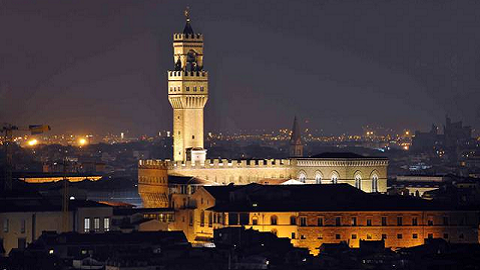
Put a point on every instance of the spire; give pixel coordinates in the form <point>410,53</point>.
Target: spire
<point>296,143</point>
<point>296,134</point>
<point>188,28</point>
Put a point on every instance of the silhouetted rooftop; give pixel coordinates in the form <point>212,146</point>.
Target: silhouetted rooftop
<point>327,197</point>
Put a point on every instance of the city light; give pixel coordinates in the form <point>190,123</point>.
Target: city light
<point>32,142</point>
<point>82,142</point>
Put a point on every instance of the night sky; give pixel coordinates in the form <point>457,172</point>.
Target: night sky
<point>100,66</point>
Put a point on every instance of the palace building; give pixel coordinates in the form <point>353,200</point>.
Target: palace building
<point>188,95</point>
<point>311,215</point>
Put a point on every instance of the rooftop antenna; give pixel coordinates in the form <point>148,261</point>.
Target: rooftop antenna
<point>186,12</point>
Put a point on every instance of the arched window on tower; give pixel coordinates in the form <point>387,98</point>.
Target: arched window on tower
<point>375,183</point>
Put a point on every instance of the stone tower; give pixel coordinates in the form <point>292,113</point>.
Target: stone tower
<point>188,94</point>
<point>296,143</point>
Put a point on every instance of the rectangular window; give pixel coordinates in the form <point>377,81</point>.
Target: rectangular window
<point>320,222</point>
<point>354,221</point>
<point>354,236</point>
<point>194,89</point>
<point>338,221</point>
<point>384,236</point>
<point>254,221</point>
<point>303,237</point>
<point>106,224</point>
<point>5,225</point>
<point>201,88</point>
<point>22,225</point>
<point>188,88</point>
<point>384,221</point>
<point>244,218</point>
<point>414,221</point>
<point>415,236</point>
<point>369,222</point>
<point>293,235</point>
<point>337,236</point>
<point>430,222</point>
<point>399,236</point>
<point>399,221</point>
<point>369,236</point>
<point>445,221</point>
<point>96,224</point>
<point>86,224</point>
<point>303,221</point>
<point>293,220</point>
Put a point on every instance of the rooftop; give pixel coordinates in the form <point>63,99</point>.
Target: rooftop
<point>331,197</point>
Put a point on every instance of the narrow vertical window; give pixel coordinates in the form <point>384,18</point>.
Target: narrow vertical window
<point>86,224</point>
<point>106,224</point>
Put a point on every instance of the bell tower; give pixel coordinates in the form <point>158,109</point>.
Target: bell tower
<point>188,94</point>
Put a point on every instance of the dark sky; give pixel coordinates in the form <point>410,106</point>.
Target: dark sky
<point>100,66</point>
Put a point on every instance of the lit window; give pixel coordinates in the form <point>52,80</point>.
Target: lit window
<point>338,221</point>
<point>303,221</point>
<point>5,225</point>
<point>106,224</point>
<point>320,222</point>
<point>22,226</point>
<point>334,178</point>
<point>318,178</point>
<point>273,220</point>
<point>96,224</point>
<point>86,224</point>
<point>302,177</point>
<point>374,183</point>
<point>358,181</point>
<point>354,221</point>
<point>293,220</point>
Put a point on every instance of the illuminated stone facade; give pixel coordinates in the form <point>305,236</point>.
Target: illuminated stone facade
<point>399,225</point>
<point>188,94</point>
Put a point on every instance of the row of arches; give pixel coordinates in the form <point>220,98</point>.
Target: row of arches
<point>334,176</point>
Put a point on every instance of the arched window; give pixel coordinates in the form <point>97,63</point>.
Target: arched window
<point>374,183</point>
<point>334,178</point>
<point>302,177</point>
<point>318,178</point>
<point>358,181</point>
<point>273,220</point>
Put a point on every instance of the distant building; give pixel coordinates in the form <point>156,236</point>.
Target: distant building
<point>296,143</point>
<point>24,219</point>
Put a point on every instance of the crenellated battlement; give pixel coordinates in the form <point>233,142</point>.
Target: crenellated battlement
<point>218,164</point>
<point>187,75</point>
<point>178,37</point>
<point>153,164</point>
